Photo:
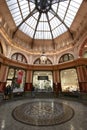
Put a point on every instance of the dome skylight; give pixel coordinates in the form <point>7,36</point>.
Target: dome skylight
<point>43,19</point>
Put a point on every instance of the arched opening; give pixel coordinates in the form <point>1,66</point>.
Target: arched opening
<point>66,57</point>
<point>19,57</point>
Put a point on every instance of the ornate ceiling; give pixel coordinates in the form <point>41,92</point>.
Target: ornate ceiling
<point>43,25</point>
<point>46,19</point>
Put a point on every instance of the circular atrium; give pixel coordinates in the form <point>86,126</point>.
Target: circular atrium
<point>41,44</point>
<point>43,64</point>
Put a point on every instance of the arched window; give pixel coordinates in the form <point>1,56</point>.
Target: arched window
<point>38,61</point>
<point>66,57</point>
<point>1,50</point>
<point>19,57</point>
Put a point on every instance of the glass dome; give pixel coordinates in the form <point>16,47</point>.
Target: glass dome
<point>43,19</point>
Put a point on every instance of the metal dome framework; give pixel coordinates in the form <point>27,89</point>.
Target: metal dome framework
<point>43,19</point>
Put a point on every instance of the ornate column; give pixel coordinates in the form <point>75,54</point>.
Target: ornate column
<point>56,80</point>
<point>28,84</point>
<point>3,76</point>
<point>82,77</point>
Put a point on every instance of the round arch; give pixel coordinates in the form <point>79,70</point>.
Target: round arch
<point>19,57</point>
<point>66,57</point>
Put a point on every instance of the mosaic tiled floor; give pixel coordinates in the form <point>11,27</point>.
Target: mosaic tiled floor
<point>43,113</point>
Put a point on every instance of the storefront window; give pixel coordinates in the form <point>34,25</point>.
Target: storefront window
<point>43,81</point>
<point>16,79</point>
<point>69,80</point>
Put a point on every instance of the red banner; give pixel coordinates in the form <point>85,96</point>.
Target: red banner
<point>19,77</point>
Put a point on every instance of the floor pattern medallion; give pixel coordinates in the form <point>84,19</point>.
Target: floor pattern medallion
<point>43,113</point>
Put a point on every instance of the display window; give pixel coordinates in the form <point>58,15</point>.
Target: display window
<point>69,80</point>
<point>16,79</point>
<point>43,81</point>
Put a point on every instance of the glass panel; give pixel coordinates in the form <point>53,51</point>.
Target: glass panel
<point>64,4</point>
<point>24,60</point>
<point>25,14</point>
<point>10,2</point>
<point>69,83</point>
<point>19,57</point>
<point>54,6</point>
<point>10,74</point>
<point>68,20</point>
<point>24,7</point>
<point>59,30</point>
<point>43,26</point>
<point>71,57</point>
<point>73,9</point>
<point>23,2</point>
<point>14,57</point>
<point>32,6</point>
<point>43,18</point>
<point>45,83</point>
<point>18,81</point>
<point>68,23</point>
<point>74,4</point>
<point>40,35</point>
<point>50,15</point>
<point>55,22</point>
<point>66,10</point>
<point>79,1</point>
<point>27,29</point>
<point>61,14</point>
<point>36,15</point>
<point>69,16</point>
<point>66,58</point>
<point>55,32</point>
<point>31,22</point>
<point>15,10</point>
<point>62,8</point>
<point>18,18</point>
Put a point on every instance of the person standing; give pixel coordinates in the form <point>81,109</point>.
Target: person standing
<point>7,92</point>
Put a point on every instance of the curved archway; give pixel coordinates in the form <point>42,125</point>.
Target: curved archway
<point>66,57</point>
<point>19,57</point>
